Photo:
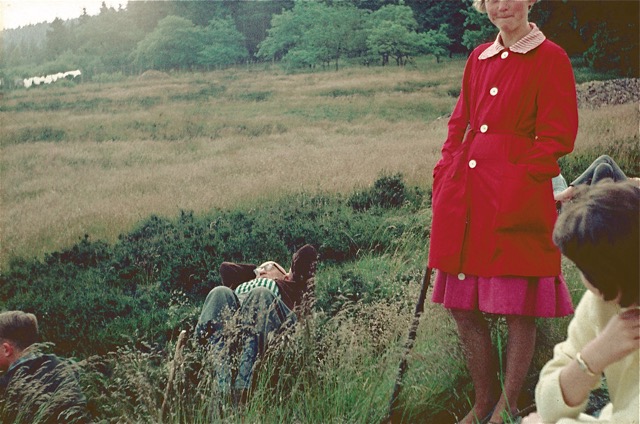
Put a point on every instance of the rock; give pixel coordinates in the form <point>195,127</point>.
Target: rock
<point>595,94</point>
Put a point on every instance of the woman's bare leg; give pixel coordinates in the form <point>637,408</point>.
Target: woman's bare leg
<point>475,337</point>
<point>520,348</point>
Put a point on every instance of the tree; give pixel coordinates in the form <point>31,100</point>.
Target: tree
<point>610,29</point>
<point>59,38</point>
<point>335,33</point>
<point>200,13</point>
<point>285,33</point>
<point>145,15</point>
<point>313,33</point>
<point>479,29</point>
<point>433,14</point>
<point>611,51</point>
<point>253,18</point>
<point>174,44</point>
<point>392,33</point>
<point>107,40</point>
<point>104,10</point>
<point>223,44</point>
<point>437,42</point>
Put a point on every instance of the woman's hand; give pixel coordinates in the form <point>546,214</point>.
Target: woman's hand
<point>565,195</point>
<point>620,337</point>
<point>532,418</point>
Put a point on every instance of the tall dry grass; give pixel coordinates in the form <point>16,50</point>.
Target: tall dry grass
<point>327,370</point>
<point>123,151</point>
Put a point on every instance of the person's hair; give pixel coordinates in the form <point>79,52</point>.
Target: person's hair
<point>480,5</point>
<point>19,327</point>
<point>598,231</point>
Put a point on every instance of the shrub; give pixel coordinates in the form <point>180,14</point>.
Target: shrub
<point>255,96</point>
<point>42,133</point>
<point>388,191</point>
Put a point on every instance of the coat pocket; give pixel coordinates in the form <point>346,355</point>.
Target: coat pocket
<point>525,204</point>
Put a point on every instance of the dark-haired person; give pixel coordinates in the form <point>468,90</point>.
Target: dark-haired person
<point>253,303</point>
<point>35,386</point>
<point>599,232</point>
<point>604,167</point>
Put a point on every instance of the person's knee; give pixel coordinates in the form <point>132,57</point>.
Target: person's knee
<point>217,293</point>
<point>218,298</point>
<point>604,159</point>
<point>221,290</point>
<point>602,171</point>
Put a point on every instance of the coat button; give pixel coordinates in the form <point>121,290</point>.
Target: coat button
<point>504,55</point>
<point>484,128</point>
<point>461,276</point>
<point>472,164</point>
<point>493,91</point>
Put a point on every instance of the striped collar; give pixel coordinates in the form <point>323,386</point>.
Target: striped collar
<point>533,39</point>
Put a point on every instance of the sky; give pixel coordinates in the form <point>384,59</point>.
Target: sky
<point>16,13</point>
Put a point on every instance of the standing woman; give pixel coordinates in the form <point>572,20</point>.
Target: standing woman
<point>493,206</point>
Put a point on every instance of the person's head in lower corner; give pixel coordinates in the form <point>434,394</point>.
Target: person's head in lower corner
<point>303,265</point>
<point>598,231</point>
<point>18,331</point>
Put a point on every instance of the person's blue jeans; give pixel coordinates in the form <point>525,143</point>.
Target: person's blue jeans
<point>260,315</point>
<point>601,168</point>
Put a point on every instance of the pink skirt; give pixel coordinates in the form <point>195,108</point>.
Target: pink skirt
<point>546,297</point>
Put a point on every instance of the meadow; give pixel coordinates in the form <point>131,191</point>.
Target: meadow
<point>97,158</point>
<point>120,197</point>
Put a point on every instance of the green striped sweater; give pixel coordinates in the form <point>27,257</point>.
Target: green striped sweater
<point>242,291</point>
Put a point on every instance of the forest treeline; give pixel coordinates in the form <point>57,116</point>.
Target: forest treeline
<point>205,35</point>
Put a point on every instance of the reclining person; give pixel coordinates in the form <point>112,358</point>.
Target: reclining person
<point>35,386</point>
<point>263,300</point>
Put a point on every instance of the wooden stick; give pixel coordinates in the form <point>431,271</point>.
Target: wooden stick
<point>413,329</point>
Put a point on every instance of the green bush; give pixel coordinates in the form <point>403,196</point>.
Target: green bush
<point>388,191</point>
<point>42,133</point>
<point>341,92</point>
<point>255,96</point>
<point>203,94</point>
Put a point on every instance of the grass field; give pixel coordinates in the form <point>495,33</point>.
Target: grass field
<point>97,158</point>
<point>100,158</point>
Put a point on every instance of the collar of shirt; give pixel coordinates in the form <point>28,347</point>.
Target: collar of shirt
<point>22,359</point>
<point>533,39</point>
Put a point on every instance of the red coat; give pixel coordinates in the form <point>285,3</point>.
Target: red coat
<point>493,207</point>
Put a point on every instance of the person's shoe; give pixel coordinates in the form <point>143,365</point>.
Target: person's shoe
<point>303,265</point>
